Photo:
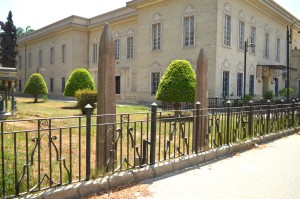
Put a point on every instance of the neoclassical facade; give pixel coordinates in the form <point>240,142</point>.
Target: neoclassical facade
<point>149,34</point>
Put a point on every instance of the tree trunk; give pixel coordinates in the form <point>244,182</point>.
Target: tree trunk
<point>35,98</point>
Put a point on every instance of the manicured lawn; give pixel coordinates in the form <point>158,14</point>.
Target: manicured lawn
<point>26,109</point>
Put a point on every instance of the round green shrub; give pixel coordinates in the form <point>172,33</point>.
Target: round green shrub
<point>79,79</point>
<point>178,83</point>
<point>84,97</point>
<point>36,85</point>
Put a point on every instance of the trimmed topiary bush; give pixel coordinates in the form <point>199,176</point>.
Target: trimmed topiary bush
<point>79,79</point>
<point>35,86</point>
<point>84,97</point>
<point>177,84</point>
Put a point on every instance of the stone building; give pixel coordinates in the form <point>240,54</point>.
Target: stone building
<point>149,34</point>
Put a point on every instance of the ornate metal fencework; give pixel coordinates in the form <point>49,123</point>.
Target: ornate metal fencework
<point>38,154</point>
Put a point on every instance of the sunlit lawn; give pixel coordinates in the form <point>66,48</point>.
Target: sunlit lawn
<point>26,109</point>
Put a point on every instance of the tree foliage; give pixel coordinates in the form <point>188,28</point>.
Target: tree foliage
<point>36,85</point>
<point>21,31</point>
<point>79,79</point>
<point>8,43</point>
<point>84,97</point>
<point>178,83</point>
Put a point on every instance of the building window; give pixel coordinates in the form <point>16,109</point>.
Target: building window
<point>277,53</point>
<point>156,36</point>
<point>51,84</point>
<point>267,44</point>
<point>189,30</point>
<point>227,31</point>
<point>276,81</point>
<point>40,58</point>
<point>155,79</point>
<point>251,85</point>
<point>117,49</point>
<point>239,85</point>
<point>29,60</point>
<point>241,39</point>
<point>253,37</point>
<point>298,84</point>
<point>63,84</point>
<point>95,53</point>
<point>225,88</point>
<point>52,55</point>
<point>130,47</point>
<point>20,62</point>
<point>63,53</point>
<point>20,85</point>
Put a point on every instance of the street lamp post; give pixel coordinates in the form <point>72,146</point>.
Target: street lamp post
<point>288,42</point>
<point>245,64</point>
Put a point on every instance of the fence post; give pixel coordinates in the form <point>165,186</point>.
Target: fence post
<point>197,127</point>
<point>228,123</point>
<point>88,110</point>
<point>268,115</point>
<point>216,102</point>
<point>293,113</point>
<point>153,132</point>
<point>250,119</point>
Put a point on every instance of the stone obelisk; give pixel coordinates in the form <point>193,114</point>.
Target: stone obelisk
<point>106,99</point>
<point>201,95</point>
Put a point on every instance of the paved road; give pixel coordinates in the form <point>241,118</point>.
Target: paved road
<point>270,171</point>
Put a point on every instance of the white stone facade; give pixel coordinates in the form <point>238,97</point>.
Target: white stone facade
<point>159,32</point>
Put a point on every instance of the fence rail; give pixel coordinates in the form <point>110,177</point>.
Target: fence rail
<point>38,154</point>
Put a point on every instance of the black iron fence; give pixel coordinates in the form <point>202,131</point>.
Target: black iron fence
<point>38,154</point>
<point>216,102</point>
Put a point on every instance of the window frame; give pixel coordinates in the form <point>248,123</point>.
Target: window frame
<point>130,47</point>
<point>252,85</point>
<point>267,46</point>
<point>95,52</point>
<point>154,87</point>
<point>227,30</point>
<point>277,49</point>
<point>117,49</point>
<point>191,32</point>
<point>239,84</point>
<point>241,35</point>
<point>63,84</point>
<point>227,88</point>
<point>156,36</point>
<point>40,58</point>
<point>63,53</point>
<point>52,58</point>
<point>253,37</point>
<point>51,85</point>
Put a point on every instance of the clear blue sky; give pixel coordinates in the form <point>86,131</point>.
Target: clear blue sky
<point>40,13</point>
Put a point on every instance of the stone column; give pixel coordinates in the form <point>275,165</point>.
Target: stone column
<point>201,95</point>
<point>106,101</point>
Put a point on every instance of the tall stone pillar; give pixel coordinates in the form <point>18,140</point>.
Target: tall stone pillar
<point>106,100</point>
<point>201,95</point>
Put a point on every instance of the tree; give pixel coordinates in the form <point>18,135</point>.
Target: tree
<point>36,85</point>
<point>283,92</point>
<point>21,32</point>
<point>8,43</point>
<point>79,79</point>
<point>177,84</point>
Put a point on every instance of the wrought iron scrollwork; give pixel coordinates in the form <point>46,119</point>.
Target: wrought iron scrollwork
<point>26,167</point>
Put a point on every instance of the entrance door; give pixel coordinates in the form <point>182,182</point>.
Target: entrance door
<point>118,84</point>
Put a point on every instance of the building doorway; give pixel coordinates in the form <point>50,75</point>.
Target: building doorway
<point>118,84</point>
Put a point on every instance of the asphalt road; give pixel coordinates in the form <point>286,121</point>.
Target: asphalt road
<point>270,171</point>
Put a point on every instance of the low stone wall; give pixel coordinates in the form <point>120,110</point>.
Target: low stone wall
<point>102,184</point>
